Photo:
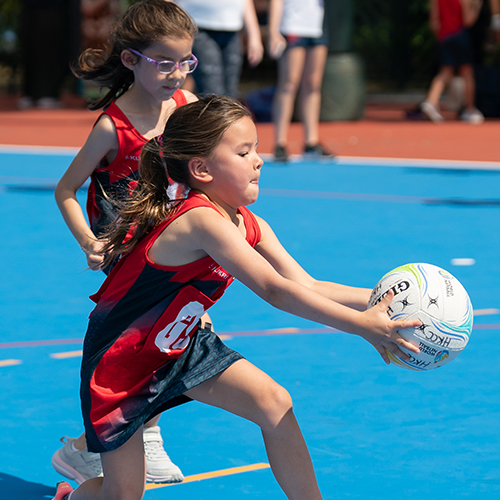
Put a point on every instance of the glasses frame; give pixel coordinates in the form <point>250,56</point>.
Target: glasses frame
<point>177,65</point>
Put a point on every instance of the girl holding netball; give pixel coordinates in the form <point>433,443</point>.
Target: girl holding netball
<point>142,69</point>
<point>144,351</point>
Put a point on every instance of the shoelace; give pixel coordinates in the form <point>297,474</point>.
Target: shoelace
<point>95,464</point>
<point>154,450</point>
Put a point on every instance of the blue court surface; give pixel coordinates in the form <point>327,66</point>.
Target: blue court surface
<point>374,432</point>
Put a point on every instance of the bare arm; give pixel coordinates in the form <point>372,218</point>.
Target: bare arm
<point>470,10</point>
<point>205,232</point>
<point>255,49</point>
<point>434,21</point>
<point>101,142</point>
<point>276,41</point>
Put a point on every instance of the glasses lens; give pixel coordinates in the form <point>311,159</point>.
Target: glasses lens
<point>166,67</point>
<point>188,66</point>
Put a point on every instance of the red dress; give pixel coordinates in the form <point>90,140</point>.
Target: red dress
<point>143,348</point>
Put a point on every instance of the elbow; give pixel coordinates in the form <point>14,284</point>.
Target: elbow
<point>276,295</point>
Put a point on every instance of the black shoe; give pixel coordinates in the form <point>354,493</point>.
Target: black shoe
<point>280,154</point>
<point>317,152</point>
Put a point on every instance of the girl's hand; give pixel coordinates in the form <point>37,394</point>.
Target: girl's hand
<point>95,256</point>
<point>277,45</point>
<point>382,332</point>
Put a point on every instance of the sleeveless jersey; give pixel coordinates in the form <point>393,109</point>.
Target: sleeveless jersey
<point>118,179</point>
<point>450,18</point>
<point>145,317</point>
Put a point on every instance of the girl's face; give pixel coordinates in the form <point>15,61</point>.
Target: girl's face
<point>162,86</point>
<point>235,166</point>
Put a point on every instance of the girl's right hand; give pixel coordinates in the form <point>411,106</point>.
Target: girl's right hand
<point>276,45</point>
<point>383,332</point>
<point>95,255</point>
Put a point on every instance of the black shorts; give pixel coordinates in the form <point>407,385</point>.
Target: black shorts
<point>455,50</point>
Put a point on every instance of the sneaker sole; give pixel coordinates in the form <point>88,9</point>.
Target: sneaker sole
<point>162,479</point>
<point>65,470</point>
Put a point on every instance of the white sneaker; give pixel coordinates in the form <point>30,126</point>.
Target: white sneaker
<point>78,465</point>
<point>472,116</point>
<point>431,112</point>
<point>159,467</point>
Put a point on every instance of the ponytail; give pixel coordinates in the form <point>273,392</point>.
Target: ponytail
<point>148,205</point>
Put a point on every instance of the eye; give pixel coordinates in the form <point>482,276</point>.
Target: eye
<point>243,154</point>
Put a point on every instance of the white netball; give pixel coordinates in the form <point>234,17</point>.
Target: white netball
<point>436,298</point>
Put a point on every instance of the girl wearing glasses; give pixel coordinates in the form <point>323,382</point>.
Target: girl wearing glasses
<point>141,71</point>
<point>143,352</point>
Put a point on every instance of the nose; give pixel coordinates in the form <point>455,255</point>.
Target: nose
<point>177,75</point>
<point>260,162</point>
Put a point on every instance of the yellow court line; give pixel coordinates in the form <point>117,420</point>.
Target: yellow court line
<point>211,475</point>
<point>64,355</point>
<point>10,362</point>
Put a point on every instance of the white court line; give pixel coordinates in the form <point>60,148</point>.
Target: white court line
<point>345,160</point>
<point>399,162</point>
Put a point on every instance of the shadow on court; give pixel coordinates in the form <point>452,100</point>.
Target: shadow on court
<point>14,488</point>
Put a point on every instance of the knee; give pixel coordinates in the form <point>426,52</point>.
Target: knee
<point>275,403</point>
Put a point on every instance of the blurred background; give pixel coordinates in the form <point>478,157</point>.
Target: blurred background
<point>381,50</point>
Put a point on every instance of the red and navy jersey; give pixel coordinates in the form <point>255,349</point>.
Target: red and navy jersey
<point>119,178</point>
<point>145,317</point>
<point>450,18</point>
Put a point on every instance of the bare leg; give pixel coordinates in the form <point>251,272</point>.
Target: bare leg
<point>438,84</point>
<point>124,474</point>
<point>467,72</point>
<point>310,92</point>
<point>246,391</point>
<point>290,68</point>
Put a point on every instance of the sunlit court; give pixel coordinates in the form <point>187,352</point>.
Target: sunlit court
<point>374,431</point>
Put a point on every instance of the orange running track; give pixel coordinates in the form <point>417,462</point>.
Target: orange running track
<point>383,132</point>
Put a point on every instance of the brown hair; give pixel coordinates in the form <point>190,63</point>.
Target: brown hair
<point>192,131</point>
<point>141,25</point>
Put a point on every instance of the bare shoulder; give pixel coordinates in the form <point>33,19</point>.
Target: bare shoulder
<point>181,242</point>
<point>190,97</point>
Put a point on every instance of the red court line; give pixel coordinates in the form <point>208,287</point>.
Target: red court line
<point>247,333</point>
<point>38,343</point>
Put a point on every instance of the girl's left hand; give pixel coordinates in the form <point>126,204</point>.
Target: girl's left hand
<point>382,332</point>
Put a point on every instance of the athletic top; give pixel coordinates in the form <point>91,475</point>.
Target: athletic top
<point>119,178</point>
<point>216,15</point>
<point>145,317</point>
<point>450,18</point>
<point>302,18</point>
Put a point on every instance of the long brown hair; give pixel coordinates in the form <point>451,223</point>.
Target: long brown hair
<point>192,131</point>
<point>141,25</point>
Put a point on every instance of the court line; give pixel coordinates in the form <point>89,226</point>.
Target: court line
<point>332,195</point>
<point>10,362</point>
<point>243,333</point>
<point>345,160</point>
<point>399,162</point>
<point>68,354</point>
<point>37,184</point>
<point>38,150</point>
<point>212,475</point>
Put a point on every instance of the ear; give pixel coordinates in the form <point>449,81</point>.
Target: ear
<point>199,171</point>
<point>128,59</point>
